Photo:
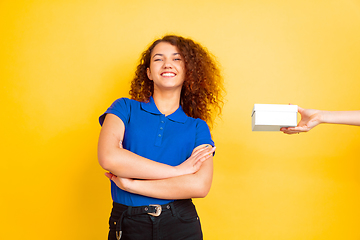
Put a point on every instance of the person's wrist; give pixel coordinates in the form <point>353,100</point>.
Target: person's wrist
<point>322,116</point>
<point>177,171</point>
<point>129,185</point>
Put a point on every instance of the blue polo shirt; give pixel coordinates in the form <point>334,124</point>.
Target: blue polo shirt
<point>150,134</point>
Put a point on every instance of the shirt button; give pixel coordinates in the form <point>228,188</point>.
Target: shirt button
<point>161,128</point>
<point>159,135</point>
<point>162,121</point>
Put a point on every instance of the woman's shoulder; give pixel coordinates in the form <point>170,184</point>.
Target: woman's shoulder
<point>126,101</point>
<point>199,123</point>
<point>124,105</point>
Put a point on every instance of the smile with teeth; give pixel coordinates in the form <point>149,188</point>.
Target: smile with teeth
<point>168,74</point>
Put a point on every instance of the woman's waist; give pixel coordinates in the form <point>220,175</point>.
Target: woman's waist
<point>131,199</point>
<point>181,205</point>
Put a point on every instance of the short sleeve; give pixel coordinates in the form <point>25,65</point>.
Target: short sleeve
<point>121,108</point>
<point>203,135</point>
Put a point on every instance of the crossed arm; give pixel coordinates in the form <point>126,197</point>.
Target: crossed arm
<point>196,185</point>
<point>190,179</point>
<point>310,118</point>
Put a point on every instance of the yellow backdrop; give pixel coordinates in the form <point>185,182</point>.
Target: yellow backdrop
<point>63,62</point>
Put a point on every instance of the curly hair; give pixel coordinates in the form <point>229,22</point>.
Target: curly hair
<point>202,90</point>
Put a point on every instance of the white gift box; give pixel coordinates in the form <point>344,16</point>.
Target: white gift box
<point>272,117</point>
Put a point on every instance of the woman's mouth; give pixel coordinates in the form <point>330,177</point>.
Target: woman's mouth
<point>168,74</point>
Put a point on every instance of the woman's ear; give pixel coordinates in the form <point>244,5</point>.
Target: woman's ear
<point>149,73</point>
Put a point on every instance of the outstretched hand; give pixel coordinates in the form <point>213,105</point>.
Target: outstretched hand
<point>309,119</point>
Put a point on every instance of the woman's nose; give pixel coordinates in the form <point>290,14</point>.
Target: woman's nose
<point>167,64</point>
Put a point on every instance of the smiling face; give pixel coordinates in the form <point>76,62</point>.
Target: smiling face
<point>167,68</point>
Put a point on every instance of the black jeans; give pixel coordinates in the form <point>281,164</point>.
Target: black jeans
<point>178,220</point>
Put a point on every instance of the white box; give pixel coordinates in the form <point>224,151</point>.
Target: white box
<point>272,117</point>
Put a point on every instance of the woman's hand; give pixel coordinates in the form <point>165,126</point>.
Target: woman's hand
<point>194,162</point>
<point>122,183</point>
<point>310,118</point>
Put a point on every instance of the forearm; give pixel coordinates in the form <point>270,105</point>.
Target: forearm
<point>124,163</point>
<point>195,185</point>
<point>341,117</point>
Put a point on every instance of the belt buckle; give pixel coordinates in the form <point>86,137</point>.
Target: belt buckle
<point>118,235</point>
<point>158,209</point>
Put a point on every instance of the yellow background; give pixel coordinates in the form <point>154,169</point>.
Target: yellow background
<point>63,62</point>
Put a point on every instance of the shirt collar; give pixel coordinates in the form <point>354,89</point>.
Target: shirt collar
<point>177,116</point>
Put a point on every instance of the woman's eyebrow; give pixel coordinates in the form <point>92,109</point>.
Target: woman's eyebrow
<point>161,55</point>
<point>158,54</point>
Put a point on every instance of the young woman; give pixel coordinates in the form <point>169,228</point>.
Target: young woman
<point>157,145</point>
<point>310,118</point>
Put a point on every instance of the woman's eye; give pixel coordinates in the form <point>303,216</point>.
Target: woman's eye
<point>156,60</point>
<point>177,59</point>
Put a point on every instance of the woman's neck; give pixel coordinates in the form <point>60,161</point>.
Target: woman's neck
<point>167,103</point>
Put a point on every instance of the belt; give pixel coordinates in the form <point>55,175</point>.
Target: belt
<point>153,210</point>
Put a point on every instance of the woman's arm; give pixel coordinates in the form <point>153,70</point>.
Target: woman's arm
<point>341,117</point>
<point>123,163</point>
<point>196,185</point>
<point>310,118</point>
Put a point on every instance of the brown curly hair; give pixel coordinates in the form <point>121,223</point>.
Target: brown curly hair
<point>202,90</point>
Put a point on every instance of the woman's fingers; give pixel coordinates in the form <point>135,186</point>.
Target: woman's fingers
<point>109,175</point>
<point>205,150</point>
<point>293,130</point>
<point>203,156</point>
<point>193,163</point>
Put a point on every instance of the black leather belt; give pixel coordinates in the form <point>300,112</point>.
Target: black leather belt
<point>153,210</point>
